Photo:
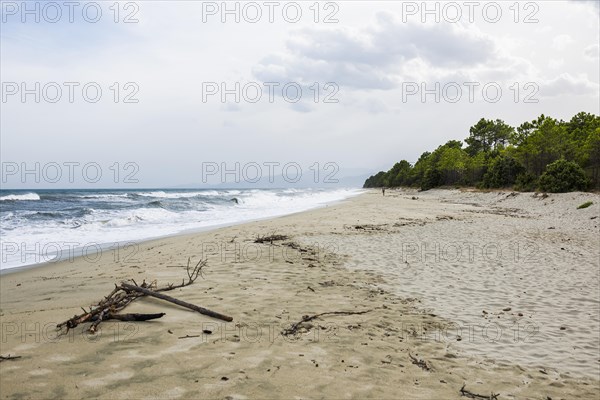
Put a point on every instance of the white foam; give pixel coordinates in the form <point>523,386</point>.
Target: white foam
<point>26,196</point>
<point>105,196</point>
<point>177,195</point>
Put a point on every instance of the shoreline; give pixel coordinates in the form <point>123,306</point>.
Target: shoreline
<point>137,242</point>
<point>335,267</point>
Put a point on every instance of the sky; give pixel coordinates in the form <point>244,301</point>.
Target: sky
<point>165,94</point>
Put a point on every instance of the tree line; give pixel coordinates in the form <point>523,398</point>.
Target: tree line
<point>545,154</point>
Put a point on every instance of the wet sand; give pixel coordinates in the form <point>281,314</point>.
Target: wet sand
<point>495,291</point>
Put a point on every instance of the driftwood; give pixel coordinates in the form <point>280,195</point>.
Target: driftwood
<point>173,300</point>
<point>136,317</point>
<point>8,357</point>
<point>270,238</point>
<point>420,363</point>
<point>122,295</point>
<point>188,336</point>
<point>471,395</point>
<point>292,330</point>
<point>366,227</point>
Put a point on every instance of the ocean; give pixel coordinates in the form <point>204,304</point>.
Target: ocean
<point>39,226</point>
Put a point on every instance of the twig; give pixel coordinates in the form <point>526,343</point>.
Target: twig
<point>192,276</point>
<point>188,336</point>
<point>292,330</point>
<point>269,238</point>
<point>471,395</point>
<point>419,363</point>
<point>9,357</point>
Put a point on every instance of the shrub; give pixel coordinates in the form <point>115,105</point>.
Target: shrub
<point>526,182</point>
<point>585,205</point>
<point>502,173</point>
<point>563,176</point>
<point>432,178</point>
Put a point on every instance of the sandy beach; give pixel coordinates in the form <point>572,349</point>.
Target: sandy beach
<point>495,292</point>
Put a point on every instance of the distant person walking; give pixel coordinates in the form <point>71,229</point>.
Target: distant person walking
<point>383,191</point>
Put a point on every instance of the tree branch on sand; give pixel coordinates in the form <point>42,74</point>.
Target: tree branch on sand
<point>471,395</point>
<point>270,238</point>
<point>419,363</point>
<point>8,357</point>
<point>124,294</point>
<point>292,330</point>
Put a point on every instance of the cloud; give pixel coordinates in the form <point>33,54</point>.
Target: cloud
<point>286,68</point>
<point>376,57</point>
<point>556,63</point>
<point>375,106</point>
<point>592,52</point>
<point>302,107</point>
<point>231,107</point>
<point>595,3</point>
<point>371,105</point>
<point>442,45</point>
<point>391,41</point>
<point>566,84</point>
<point>561,42</point>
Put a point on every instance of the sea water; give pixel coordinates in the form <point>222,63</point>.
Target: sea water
<point>46,225</point>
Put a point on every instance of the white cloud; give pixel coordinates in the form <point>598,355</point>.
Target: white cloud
<point>377,57</point>
<point>231,107</point>
<point>595,3</point>
<point>556,63</point>
<point>566,84</point>
<point>375,105</point>
<point>561,42</point>
<point>592,52</point>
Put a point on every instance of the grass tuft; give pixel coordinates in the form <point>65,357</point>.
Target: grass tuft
<point>585,205</point>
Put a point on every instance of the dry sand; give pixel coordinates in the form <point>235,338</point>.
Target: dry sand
<point>493,290</point>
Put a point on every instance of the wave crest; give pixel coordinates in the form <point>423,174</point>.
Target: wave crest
<point>20,197</point>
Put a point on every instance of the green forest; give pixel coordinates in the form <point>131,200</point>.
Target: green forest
<point>542,155</point>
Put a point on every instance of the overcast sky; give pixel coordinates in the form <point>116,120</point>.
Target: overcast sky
<point>361,67</point>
